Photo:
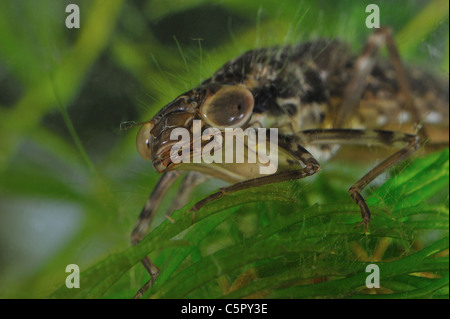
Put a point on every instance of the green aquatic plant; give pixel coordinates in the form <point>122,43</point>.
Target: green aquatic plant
<point>72,183</point>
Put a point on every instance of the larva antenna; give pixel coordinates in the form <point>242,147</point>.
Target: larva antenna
<point>126,125</point>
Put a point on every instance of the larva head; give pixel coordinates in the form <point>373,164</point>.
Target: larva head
<point>217,106</point>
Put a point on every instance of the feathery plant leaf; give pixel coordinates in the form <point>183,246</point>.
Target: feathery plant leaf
<point>302,252</point>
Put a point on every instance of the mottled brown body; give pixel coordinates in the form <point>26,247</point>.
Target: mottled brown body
<point>301,87</point>
<point>319,95</point>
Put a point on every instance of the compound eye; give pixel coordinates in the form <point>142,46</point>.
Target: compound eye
<point>143,141</point>
<point>231,106</point>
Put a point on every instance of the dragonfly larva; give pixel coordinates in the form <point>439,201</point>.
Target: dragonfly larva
<point>319,95</point>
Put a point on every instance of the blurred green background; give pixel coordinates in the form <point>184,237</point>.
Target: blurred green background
<point>71,182</point>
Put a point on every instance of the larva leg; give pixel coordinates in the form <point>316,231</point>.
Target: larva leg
<point>145,219</point>
<point>363,67</point>
<point>190,181</point>
<point>152,205</point>
<point>408,143</point>
<point>311,166</point>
